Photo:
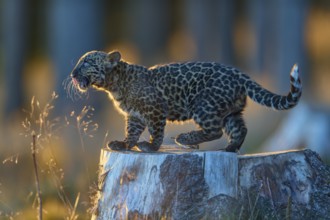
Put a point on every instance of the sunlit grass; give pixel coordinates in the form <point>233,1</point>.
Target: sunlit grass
<point>44,133</point>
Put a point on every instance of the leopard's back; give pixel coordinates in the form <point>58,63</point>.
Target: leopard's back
<point>186,85</point>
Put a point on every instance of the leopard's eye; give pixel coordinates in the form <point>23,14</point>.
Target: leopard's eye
<point>85,64</point>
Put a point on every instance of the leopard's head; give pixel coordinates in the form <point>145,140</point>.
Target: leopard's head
<point>91,68</point>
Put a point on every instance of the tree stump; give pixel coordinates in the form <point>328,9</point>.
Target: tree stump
<point>190,184</point>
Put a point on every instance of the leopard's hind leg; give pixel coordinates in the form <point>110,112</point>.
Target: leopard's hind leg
<point>194,138</point>
<point>210,123</point>
<point>235,129</point>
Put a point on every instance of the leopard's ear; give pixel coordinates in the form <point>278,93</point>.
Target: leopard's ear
<point>114,57</point>
<point>112,60</point>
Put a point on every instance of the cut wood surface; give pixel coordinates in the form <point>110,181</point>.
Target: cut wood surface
<point>178,183</point>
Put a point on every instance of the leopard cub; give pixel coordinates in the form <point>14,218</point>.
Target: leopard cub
<point>212,94</point>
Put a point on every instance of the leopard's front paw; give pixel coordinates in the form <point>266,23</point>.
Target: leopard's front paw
<point>118,145</point>
<point>147,147</point>
<point>232,148</point>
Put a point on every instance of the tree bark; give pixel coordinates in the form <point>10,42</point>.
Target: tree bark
<point>189,184</point>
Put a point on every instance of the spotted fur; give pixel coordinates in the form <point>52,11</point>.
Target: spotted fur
<point>212,94</point>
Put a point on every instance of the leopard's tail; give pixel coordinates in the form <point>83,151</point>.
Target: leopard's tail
<point>278,102</point>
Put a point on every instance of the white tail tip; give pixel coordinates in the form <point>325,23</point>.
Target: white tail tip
<point>295,72</point>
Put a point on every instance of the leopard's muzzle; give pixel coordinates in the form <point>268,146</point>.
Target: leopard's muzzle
<point>79,81</point>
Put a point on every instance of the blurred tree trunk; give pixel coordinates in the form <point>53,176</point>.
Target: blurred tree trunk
<point>14,28</point>
<point>211,24</point>
<point>260,18</point>
<point>290,34</point>
<point>279,27</point>
<point>147,26</point>
<point>226,25</point>
<point>197,20</point>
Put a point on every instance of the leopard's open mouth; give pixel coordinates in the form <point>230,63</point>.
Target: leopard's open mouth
<point>82,83</point>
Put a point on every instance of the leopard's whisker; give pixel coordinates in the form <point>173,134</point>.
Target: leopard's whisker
<point>71,90</point>
<point>67,84</point>
<point>75,93</point>
<point>68,89</point>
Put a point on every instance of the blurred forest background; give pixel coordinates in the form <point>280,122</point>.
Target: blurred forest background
<point>41,41</point>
